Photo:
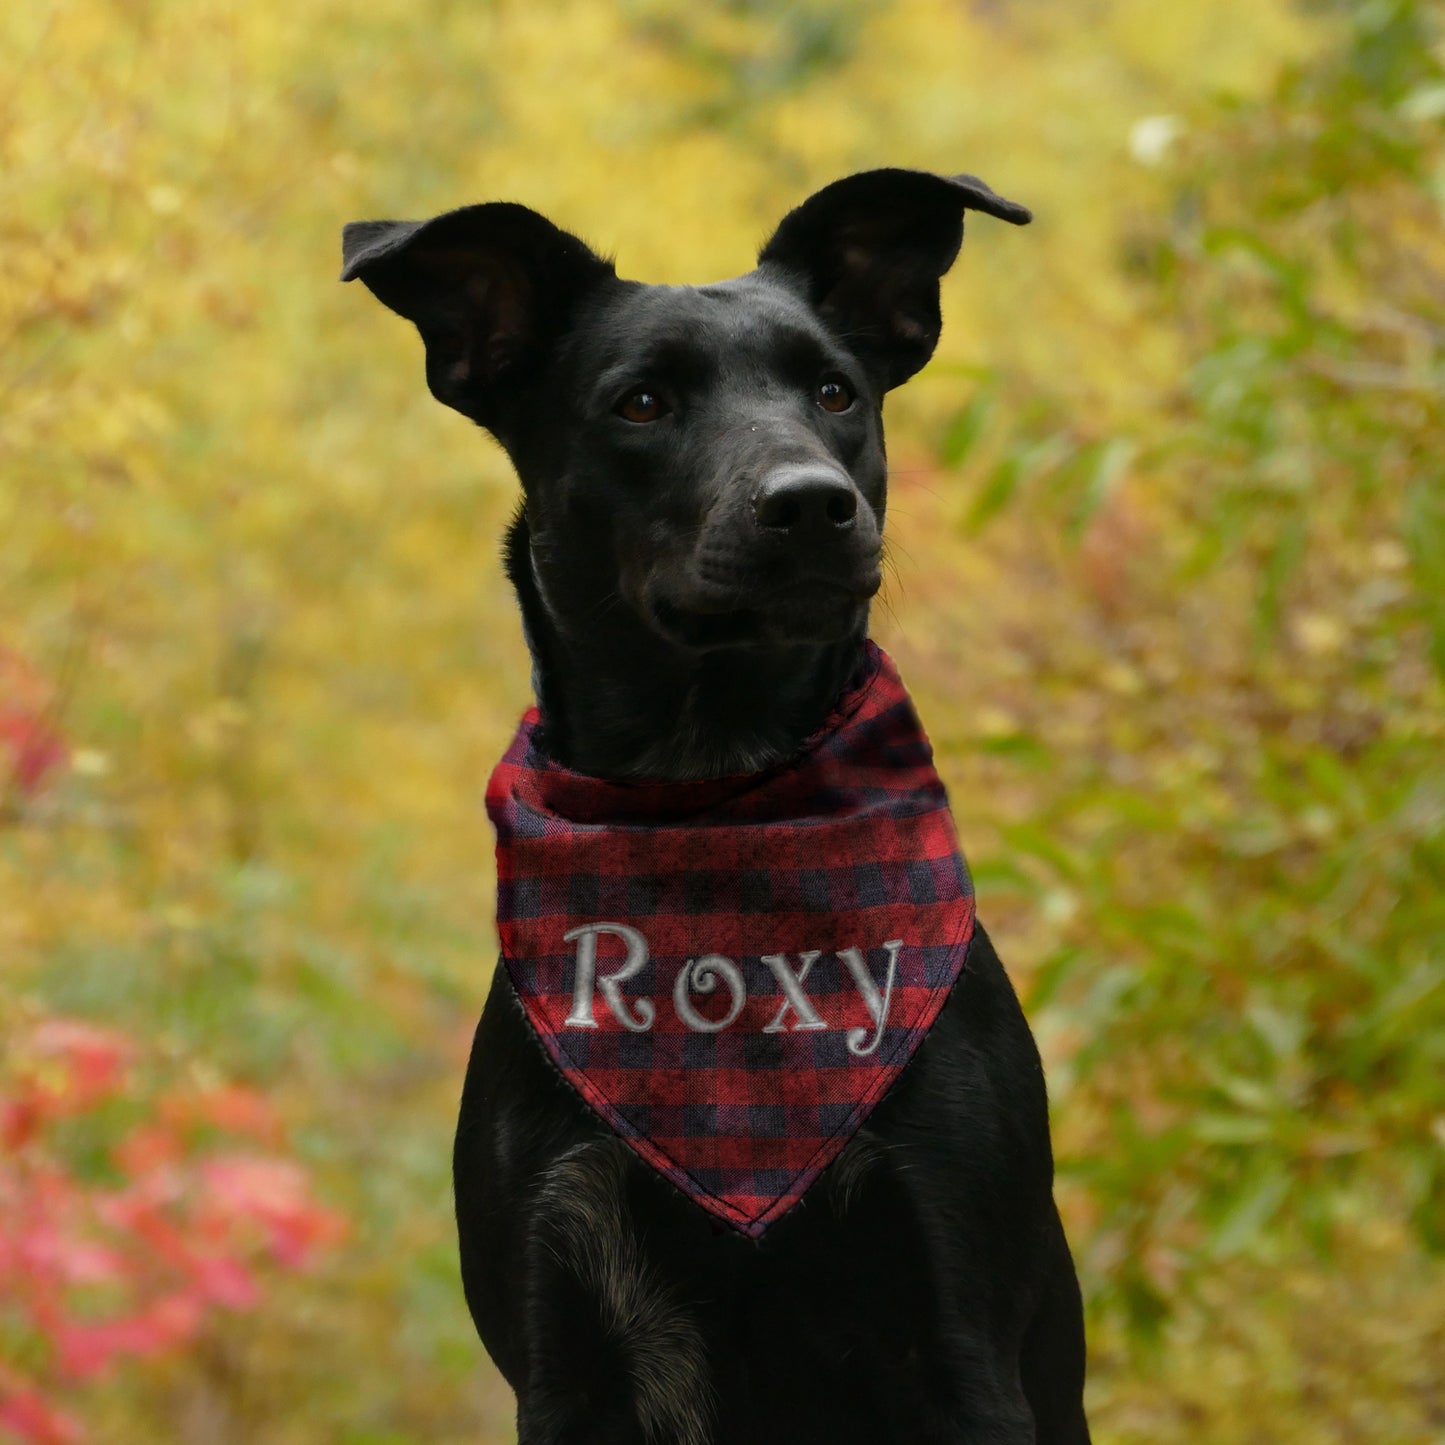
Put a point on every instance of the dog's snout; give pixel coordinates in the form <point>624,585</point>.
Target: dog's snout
<point>805,500</point>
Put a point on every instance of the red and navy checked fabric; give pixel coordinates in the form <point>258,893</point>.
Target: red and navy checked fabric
<point>850,846</point>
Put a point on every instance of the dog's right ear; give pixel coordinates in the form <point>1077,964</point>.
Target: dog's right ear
<point>489,287</point>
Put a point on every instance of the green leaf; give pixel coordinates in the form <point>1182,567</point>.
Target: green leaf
<point>996,491</point>
<point>1103,464</point>
<point>967,428</point>
<point>1242,1225</point>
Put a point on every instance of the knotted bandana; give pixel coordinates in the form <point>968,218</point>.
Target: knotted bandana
<point>731,973</point>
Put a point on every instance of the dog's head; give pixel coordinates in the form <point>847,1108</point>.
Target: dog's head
<point>707,458</point>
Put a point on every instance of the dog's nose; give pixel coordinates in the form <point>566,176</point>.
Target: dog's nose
<point>805,500</point>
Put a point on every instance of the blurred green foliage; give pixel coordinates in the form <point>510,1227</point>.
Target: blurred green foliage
<point>1168,579</point>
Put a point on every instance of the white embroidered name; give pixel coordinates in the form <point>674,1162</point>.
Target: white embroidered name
<point>702,975</point>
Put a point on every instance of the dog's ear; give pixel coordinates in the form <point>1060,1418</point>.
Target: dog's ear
<point>870,250</point>
<point>489,287</point>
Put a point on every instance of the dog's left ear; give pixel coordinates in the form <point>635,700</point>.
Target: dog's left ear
<point>870,250</point>
<point>490,288</point>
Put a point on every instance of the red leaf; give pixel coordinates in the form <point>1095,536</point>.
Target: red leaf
<point>239,1110</point>
<point>35,749</point>
<point>226,1282</point>
<point>19,1120</point>
<point>95,1061</point>
<point>147,1148</point>
<point>84,1349</point>
<point>274,1194</point>
<point>25,1414</point>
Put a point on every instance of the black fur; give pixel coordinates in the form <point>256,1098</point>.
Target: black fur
<point>704,486</point>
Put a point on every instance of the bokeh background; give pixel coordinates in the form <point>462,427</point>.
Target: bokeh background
<point>1168,581</point>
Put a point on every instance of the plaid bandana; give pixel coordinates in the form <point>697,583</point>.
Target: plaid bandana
<point>732,972</point>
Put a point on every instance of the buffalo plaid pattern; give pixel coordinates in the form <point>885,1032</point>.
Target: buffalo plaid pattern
<point>717,1083</point>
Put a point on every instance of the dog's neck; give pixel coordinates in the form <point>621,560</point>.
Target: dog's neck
<point>619,701</point>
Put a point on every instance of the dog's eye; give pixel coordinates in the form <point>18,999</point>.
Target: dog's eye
<point>834,394</point>
<point>642,406</point>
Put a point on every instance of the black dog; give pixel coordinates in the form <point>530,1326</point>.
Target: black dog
<point>704,483</point>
